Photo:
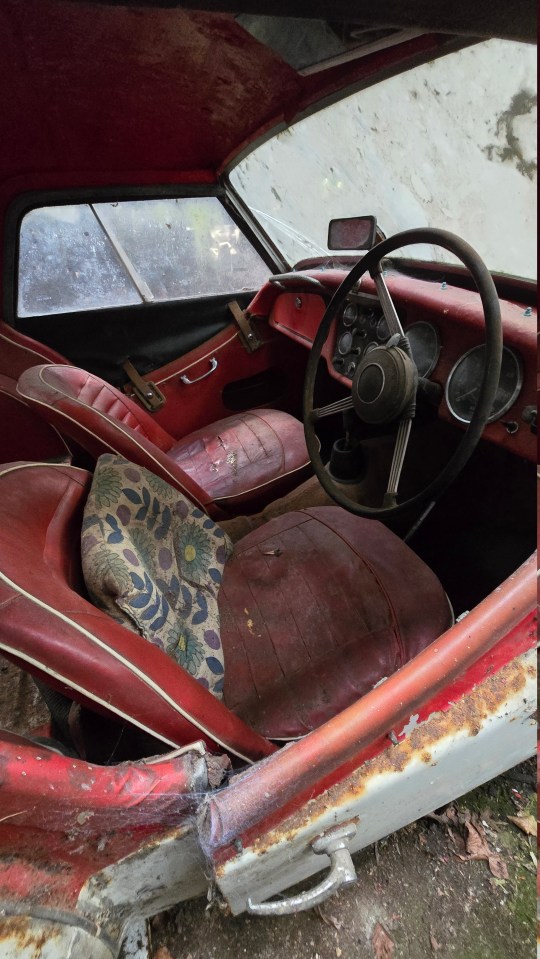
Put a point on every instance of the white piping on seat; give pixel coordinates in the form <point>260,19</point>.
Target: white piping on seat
<point>121,659</point>
<point>108,649</point>
<point>108,419</point>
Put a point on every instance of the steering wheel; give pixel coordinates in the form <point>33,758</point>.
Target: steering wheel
<point>384,385</point>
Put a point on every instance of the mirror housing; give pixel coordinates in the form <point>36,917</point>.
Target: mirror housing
<point>352,233</point>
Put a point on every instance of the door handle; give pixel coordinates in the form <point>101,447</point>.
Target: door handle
<point>342,873</point>
<point>213,366</point>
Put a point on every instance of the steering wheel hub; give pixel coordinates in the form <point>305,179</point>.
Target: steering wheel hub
<point>383,385</point>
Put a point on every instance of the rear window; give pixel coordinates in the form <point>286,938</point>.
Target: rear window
<point>95,256</point>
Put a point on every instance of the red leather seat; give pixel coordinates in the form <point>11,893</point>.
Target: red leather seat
<point>237,464</point>
<point>19,352</point>
<point>316,607</point>
<point>24,434</point>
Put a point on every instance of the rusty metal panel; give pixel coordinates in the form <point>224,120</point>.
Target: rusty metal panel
<point>449,754</point>
<point>159,874</point>
<point>33,937</point>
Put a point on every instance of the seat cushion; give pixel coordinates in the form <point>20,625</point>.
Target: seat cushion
<point>246,460</point>
<point>154,561</point>
<point>242,462</point>
<point>317,607</point>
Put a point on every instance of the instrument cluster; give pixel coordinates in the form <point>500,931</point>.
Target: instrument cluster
<point>361,328</point>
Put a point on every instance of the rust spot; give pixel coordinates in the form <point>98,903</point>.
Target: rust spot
<point>19,931</point>
<point>469,714</point>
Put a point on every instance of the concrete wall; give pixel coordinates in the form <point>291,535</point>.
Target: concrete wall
<point>450,144</point>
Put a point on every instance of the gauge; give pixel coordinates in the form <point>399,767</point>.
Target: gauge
<point>382,329</point>
<point>349,314</point>
<point>345,343</point>
<point>463,385</point>
<point>371,346</point>
<point>425,347</point>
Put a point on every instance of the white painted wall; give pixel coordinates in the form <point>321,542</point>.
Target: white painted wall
<point>451,144</point>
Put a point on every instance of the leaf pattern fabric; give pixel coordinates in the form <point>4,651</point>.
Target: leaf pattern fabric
<point>154,562</point>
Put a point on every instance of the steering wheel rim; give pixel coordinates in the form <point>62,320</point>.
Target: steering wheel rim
<point>488,388</point>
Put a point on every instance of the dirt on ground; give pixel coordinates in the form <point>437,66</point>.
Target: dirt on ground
<point>459,884</point>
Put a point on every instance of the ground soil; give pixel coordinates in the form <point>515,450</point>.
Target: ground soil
<point>415,898</point>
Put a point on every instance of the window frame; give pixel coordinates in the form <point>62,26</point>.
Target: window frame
<point>36,199</point>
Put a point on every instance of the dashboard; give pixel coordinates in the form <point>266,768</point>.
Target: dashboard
<point>445,327</point>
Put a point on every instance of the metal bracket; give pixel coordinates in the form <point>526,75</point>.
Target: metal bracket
<point>248,334</point>
<point>342,873</point>
<point>146,392</point>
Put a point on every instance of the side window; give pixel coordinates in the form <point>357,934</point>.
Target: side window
<point>103,255</point>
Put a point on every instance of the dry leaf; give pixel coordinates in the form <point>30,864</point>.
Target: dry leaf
<point>477,849</point>
<point>498,867</point>
<point>163,953</point>
<point>476,844</point>
<point>383,945</point>
<point>329,920</point>
<point>434,944</point>
<point>527,824</point>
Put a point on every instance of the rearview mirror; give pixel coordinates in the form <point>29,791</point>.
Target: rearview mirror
<point>352,233</point>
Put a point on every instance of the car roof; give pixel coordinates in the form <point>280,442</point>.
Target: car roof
<point>105,90</point>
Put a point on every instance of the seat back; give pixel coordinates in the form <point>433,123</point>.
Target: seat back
<point>25,435</point>
<point>101,419</point>
<point>49,627</point>
<point>19,352</point>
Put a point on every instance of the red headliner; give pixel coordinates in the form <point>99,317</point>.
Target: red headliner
<point>97,95</point>
<point>106,89</point>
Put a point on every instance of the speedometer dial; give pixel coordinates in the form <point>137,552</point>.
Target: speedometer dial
<point>463,385</point>
<point>425,346</point>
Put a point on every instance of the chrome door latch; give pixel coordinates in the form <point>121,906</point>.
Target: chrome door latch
<point>333,844</point>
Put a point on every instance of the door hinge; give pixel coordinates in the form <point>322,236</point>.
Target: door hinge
<point>248,334</point>
<point>146,392</point>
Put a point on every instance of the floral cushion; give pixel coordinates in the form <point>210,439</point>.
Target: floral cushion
<point>154,561</point>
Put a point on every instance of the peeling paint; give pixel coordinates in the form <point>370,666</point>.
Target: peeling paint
<point>468,715</point>
<point>450,753</point>
<point>412,724</point>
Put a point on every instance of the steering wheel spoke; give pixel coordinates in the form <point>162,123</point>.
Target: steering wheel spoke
<point>393,321</point>
<point>400,449</point>
<point>340,406</point>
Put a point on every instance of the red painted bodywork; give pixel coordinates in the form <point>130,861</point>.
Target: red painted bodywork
<point>148,96</point>
<point>494,632</point>
<point>81,817</point>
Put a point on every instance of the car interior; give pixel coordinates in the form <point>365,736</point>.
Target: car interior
<point>236,496</point>
<point>316,605</point>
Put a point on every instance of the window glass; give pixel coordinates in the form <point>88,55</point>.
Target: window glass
<point>66,263</point>
<point>450,144</point>
<point>103,255</point>
<point>184,247</point>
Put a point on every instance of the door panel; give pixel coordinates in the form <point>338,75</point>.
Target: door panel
<point>150,335</point>
<point>228,378</point>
